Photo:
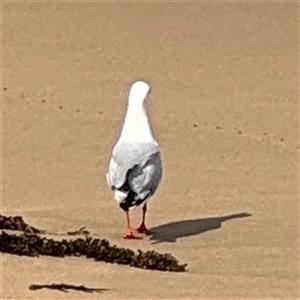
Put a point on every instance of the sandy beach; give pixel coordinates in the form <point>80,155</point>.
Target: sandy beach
<point>224,108</point>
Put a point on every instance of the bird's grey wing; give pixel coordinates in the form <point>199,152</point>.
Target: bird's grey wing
<point>145,179</point>
<point>125,157</point>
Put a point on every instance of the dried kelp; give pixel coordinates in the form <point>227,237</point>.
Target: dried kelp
<point>65,287</point>
<point>17,223</point>
<point>80,231</point>
<point>31,244</point>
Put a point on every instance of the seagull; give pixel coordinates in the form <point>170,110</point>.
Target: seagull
<point>135,167</point>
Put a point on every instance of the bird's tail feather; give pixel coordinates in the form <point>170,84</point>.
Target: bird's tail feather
<point>120,196</point>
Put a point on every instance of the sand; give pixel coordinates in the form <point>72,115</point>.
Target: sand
<point>224,108</point>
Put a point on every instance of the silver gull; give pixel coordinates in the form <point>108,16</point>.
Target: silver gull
<point>135,168</point>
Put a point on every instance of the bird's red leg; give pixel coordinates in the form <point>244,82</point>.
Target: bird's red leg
<point>142,228</point>
<point>129,234</point>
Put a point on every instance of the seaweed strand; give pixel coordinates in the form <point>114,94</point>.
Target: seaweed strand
<point>31,244</point>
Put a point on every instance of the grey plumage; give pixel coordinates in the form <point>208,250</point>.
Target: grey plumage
<point>135,167</point>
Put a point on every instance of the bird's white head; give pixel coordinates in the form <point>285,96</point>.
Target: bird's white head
<point>139,91</point>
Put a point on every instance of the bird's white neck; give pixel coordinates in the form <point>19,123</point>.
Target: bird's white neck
<point>136,127</point>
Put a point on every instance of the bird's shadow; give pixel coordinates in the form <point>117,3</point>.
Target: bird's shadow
<point>172,231</point>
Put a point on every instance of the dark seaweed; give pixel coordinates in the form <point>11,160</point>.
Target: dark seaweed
<point>30,243</point>
<point>65,287</point>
